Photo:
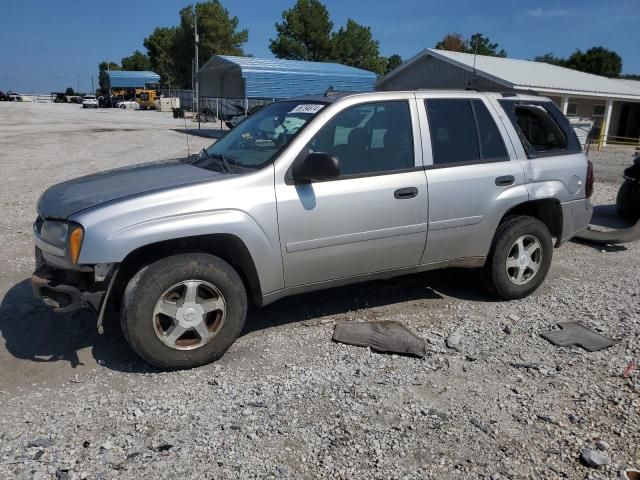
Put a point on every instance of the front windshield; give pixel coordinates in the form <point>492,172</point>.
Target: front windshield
<point>254,142</point>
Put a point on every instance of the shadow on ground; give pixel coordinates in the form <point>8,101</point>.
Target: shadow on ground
<point>33,333</point>
<point>605,217</point>
<point>206,132</point>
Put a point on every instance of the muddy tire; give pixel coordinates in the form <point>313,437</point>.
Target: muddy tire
<point>520,258</point>
<point>628,200</point>
<point>183,311</point>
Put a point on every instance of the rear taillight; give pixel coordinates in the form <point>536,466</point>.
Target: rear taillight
<point>588,189</point>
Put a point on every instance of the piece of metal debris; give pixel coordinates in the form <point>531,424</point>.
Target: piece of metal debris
<point>383,336</point>
<point>573,333</point>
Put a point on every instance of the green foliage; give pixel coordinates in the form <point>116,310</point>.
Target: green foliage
<point>596,60</point>
<point>218,32</point>
<point>551,59</point>
<point>138,61</point>
<point>103,80</point>
<point>69,91</point>
<point>159,47</point>
<point>305,32</point>
<point>630,76</point>
<point>393,62</point>
<point>355,46</point>
<point>477,43</point>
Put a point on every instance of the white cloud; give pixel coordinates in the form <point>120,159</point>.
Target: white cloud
<point>545,13</point>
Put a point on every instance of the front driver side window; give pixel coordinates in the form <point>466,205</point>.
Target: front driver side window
<point>369,138</point>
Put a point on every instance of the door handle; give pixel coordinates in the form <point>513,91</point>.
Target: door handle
<point>404,193</point>
<point>505,181</point>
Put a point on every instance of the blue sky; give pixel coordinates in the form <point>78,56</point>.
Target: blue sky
<point>47,45</point>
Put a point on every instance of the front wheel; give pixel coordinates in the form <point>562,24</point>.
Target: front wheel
<point>520,257</point>
<point>184,311</point>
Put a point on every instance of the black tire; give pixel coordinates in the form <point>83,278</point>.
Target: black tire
<point>149,284</point>
<point>510,230</point>
<point>628,200</point>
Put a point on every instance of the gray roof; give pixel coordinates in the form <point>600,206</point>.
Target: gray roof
<point>529,75</point>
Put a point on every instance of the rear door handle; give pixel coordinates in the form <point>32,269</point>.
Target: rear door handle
<point>505,181</point>
<point>404,193</point>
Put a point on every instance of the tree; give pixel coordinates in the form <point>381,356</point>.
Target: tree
<point>160,45</point>
<point>393,62</point>
<point>630,76</point>
<point>218,32</point>
<point>305,33</point>
<point>453,42</point>
<point>69,91</point>
<point>551,59</point>
<point>354,45</point>
<point>137,61</point>
<point>103,79</point>
<point>596,60</point>
<point>477,43</point>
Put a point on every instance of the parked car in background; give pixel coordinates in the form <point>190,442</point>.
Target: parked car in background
<point>89,101</point>
<point>131,104</point>
<point>4,97</point>
<point>312,193</point>
<point>14,97</point>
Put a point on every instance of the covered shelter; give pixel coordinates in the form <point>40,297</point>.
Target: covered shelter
<point>612,105</point>
<point>125,79</point>
<point>225,76</point>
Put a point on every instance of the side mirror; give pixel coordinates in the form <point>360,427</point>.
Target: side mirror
<point>316,166</point>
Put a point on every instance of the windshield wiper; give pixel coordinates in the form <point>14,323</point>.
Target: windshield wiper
<point>221,159</point>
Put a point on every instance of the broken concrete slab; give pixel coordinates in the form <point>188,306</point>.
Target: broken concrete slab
<point>384,337</point>
<point>573,333</point>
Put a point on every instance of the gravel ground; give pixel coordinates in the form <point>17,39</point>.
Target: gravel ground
<point>285,402</point>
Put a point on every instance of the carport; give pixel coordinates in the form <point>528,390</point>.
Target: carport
<point>131,79</point>
<point>269,79</point>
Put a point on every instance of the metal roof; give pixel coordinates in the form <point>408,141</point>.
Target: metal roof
<point>230,76</point>
<point>529,75</point>
<point>131,79</point>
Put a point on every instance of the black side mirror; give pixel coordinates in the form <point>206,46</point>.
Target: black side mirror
<point>316,166</point>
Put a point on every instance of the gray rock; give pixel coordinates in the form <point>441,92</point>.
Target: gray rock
<point>41,442</point>
<point>507,329</point>
<point>593,458</point>
<point>602,445</point>
<point>453,340</point>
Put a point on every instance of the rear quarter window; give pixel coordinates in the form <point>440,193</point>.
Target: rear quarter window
<point>542,128</point>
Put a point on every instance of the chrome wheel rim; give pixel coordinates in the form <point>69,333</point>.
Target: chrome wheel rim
<point>524,260</point>
<point>189,314</point>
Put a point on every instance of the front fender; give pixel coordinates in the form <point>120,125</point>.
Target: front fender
<point>264,249</point>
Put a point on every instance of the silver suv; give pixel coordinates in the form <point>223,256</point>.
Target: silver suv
<point>308,194</point>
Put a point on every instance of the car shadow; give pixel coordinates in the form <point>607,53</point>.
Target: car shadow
<point>213,133</point>
<point>33,333</point>
<point>605,217</point>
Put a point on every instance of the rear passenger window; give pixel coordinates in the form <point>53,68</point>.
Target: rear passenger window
<point>543,129</point>
<point>491,145</point>
<point>463,132</point>
<point>369,138</point>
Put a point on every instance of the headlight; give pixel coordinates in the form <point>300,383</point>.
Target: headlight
<point>55,233</point>
<point>67,236</point>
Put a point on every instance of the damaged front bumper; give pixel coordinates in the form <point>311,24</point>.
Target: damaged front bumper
<point>67,291</point>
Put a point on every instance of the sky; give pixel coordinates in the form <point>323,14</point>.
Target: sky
<point>49,45</point>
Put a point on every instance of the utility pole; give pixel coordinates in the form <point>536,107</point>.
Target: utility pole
<point>93,89</point>
<point>78,79</point>
<point>196,39</point>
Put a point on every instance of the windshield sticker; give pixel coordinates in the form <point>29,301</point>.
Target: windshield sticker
<point>307,108</point>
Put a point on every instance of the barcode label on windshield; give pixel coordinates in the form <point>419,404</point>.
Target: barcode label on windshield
<point>307,108</point>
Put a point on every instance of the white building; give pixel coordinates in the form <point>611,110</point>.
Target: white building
<point>609,102</point>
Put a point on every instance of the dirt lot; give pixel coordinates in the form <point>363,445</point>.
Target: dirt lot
<point>286,402</point>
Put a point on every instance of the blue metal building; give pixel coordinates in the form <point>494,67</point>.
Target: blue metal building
<point>129,79</point>
<point>249,77</point>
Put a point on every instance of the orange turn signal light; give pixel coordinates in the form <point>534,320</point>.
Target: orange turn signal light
<point>75,243</point>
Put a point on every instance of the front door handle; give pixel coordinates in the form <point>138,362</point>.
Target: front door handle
<point>404,193</point>
<point>505,181</point>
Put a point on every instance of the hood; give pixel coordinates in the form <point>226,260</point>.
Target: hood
<point>66,198</point>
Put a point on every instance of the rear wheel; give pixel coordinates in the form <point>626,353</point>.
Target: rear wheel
<point>520,257</point>
<point>184,311</point>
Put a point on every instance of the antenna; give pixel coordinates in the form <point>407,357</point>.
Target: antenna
<point>475,57</point>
